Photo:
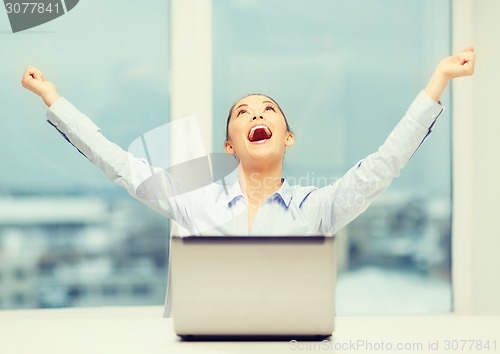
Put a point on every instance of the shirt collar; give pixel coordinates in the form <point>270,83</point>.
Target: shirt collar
<point>234,191</point>
<point>284,192</point>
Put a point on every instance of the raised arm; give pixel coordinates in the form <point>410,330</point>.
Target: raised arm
<point>343,201</point>
<point>152,186</point>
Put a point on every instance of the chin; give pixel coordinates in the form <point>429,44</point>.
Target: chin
<point>270,155</point>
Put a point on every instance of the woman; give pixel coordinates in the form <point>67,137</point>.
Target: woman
<point>260,202</point>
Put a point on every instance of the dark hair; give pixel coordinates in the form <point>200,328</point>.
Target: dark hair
<point>254,94</point>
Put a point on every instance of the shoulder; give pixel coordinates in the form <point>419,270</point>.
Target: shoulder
<point>300,193</point>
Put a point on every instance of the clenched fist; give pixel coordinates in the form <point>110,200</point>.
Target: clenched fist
<point>458,65</point>
<point>461,64</point>
<point>34,80</point>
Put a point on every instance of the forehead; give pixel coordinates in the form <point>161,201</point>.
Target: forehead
<point>253,100</point>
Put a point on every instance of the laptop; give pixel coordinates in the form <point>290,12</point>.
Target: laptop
<point>236,286</point>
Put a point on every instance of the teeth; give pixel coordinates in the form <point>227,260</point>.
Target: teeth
<point>252,131</point>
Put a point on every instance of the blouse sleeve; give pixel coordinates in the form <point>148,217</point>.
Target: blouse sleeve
<point>152,186</point>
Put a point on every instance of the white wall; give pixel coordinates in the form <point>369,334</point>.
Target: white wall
<point>476,138</point>
<point>191,63</point>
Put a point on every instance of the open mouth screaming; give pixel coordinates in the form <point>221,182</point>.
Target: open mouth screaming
<point>259,133</point>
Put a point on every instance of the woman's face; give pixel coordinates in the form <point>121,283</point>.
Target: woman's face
<point>257,130</point>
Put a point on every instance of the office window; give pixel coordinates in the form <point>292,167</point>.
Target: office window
<point>75,292</point>
<point>110,290</point>
<point>18,299</point>
<point>62,221</point>
<point>140,289</point>
<point>19,273</point>
<point>344,73</point>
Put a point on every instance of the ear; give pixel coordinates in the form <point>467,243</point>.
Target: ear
<point>228,147</point>
<point>290,139</point>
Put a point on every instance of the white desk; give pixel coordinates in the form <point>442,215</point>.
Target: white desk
<point>142,330</point>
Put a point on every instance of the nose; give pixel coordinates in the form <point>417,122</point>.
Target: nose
<point>255,117</point>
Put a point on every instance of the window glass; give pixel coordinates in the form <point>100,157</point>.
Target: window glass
<point>344,73</point>
<point>68,235</point>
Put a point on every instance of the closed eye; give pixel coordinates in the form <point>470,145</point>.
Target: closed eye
<point>240,112</point>
<point>270,108</point>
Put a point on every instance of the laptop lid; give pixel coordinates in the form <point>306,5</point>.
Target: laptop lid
<point>246,286</point>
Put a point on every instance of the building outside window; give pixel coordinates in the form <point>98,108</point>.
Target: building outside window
<point>68,236</point>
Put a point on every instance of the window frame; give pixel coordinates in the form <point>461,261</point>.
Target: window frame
<point>462,171</point>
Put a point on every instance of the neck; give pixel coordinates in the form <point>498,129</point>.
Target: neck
<point>259,182</point>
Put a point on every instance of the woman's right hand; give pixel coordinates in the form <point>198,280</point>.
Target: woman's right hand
<point>34,80</point>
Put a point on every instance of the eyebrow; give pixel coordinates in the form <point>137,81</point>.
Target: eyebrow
<point>241,105</point>
<point>244,104</point>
